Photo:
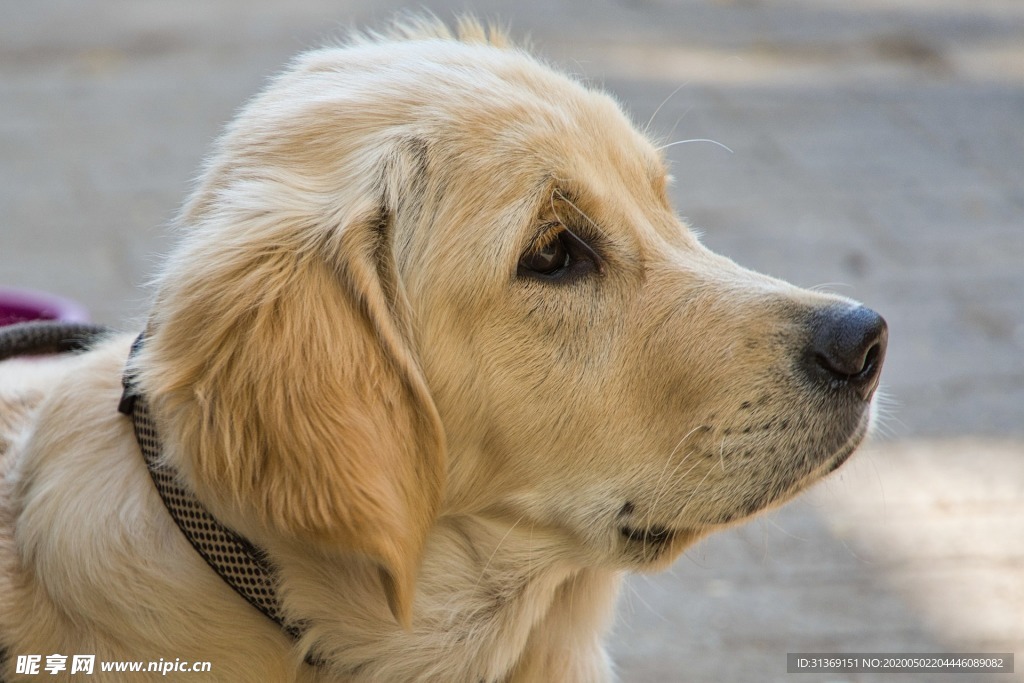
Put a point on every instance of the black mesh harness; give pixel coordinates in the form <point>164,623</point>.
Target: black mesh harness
<point>241,565</point>
<point>238,562</point>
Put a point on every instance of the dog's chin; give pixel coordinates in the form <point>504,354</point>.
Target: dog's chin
<point>818,469</point>
<point>839,457</point>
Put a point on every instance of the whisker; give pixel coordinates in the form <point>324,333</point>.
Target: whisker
<point>884,422</point>
<point>647,128</point>
<point>679,120</point>
<point>664,482</point>
<point>768,519</point>
<point>497,547</point>
<point>468,616</point>
<point>684,142</point>
<point>855,555</point>
<point>656,613</point>
<point>696,489</point>
<point>573,205</point>
<point>551,200</point>
<point>826,286</point>
<point>668,480</point>
<point>685,436</point>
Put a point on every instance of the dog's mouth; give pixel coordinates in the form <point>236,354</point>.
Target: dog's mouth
<point>653,547</point>
<point>650,543</point>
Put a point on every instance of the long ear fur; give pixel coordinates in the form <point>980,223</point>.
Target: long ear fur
<point>279,370</point>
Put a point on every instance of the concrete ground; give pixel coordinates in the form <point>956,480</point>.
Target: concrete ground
<point>877,150</point>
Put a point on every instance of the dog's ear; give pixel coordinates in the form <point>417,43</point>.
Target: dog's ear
<point>282,370</point>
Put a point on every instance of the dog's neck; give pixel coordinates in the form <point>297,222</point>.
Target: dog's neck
<point>491,596</point>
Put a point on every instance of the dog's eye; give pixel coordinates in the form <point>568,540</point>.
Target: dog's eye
<point>559,255</point>
<point>548,258</point>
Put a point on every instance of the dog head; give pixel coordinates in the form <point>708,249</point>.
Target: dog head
<point>427,276</point>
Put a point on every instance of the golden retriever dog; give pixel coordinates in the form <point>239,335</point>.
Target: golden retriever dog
<point>434,342</point>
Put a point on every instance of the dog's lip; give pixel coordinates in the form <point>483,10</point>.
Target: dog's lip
<point>654,535</point>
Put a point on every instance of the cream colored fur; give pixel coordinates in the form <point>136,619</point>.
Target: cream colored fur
<point>347,365</point>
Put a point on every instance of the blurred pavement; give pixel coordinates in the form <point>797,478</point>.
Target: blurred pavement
<point>877,150</point>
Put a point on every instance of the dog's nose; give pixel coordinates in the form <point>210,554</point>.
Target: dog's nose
<point>847,348</point>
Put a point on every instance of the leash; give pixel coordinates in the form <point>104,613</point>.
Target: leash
<point>22,339</point>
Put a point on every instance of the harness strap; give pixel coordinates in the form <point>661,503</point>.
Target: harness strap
<point>238,562</point>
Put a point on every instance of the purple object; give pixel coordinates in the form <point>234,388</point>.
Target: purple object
<point>23,305</point>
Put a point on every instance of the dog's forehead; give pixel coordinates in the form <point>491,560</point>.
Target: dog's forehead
<point>497,114</point>
<point>523,123</point>
<point>507,95</point>
<point>566,125</point>
<point>479,98</point>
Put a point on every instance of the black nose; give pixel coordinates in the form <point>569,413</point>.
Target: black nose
<point>847,348</point>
